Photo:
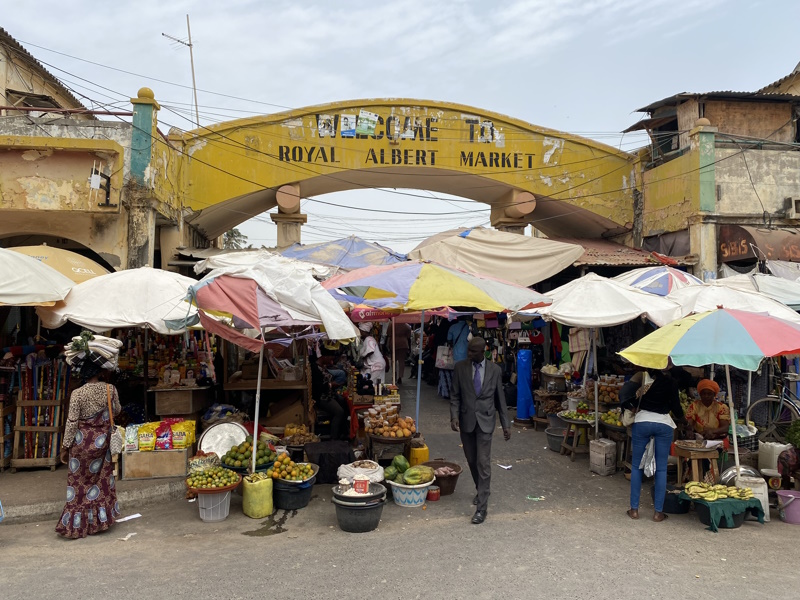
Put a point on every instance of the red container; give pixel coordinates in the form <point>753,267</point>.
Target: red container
<point>434,493</point>
<point>361,486</point>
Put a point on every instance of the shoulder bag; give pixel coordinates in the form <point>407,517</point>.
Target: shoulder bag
<point>117,433</point>
<point>629,415</point>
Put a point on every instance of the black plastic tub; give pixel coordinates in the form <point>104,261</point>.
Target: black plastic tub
<point>555,435</point>
<point>287,496</point>
<point>672,504</point>
<point>705,517</point>
<point>358,519</point>
<point>376,492</point>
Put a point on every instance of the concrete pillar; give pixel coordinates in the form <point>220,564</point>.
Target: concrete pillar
<point>288,227</point>
<point>141,226</point>
<point>703,235</point>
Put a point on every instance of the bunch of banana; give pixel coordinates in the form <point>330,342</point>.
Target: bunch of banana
<point>703,491</point>
<point>257,476</point>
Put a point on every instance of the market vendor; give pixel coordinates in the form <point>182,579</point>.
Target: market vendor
<point>370,354</point>
<point>709,418</point>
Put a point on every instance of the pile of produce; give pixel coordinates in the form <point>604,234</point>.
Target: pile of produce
<point>705,491</point>
<point>583,407</point>
<point>445,471</point>
<point>576,416</point>
<point>551,407</point>
<point>300,439</point>
<point>400,472</point>
<point>608,388</point>
<point>260,476</point>
<point>364,464</point>
<point>285,468</point>
<point>241,455</point>
<point>612,417</point>
<point>685,399</point>
<point>390,426</point>
<point>215,477</point>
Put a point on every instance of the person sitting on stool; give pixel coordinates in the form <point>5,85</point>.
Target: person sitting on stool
<point>476,397</point>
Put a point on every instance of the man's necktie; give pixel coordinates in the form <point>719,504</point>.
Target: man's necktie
<point>477,379</point>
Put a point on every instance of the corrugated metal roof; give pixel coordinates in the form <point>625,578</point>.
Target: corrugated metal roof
<point>8,40</point>
<point>605,253</point>
<point>794,73</point>
<point>720,95</point>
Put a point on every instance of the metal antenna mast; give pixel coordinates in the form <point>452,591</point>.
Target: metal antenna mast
<point>191,59</point>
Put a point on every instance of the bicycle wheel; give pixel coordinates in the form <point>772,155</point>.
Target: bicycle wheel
<point>772,418</point>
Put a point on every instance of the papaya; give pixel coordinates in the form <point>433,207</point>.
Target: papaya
<point>417,475</point>
<point>400,463</point>
<point>390,473</point>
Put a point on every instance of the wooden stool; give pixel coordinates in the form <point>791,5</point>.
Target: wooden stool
<point>695,457</point>
<point>577,447</point>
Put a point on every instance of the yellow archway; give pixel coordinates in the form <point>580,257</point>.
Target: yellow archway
<point>564,184</point>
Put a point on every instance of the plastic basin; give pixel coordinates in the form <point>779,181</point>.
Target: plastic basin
<point>410,496</point>
<point>789,506</point>
<point>287,496</point>
<point>446,483</point>
<point>672,504</point>
<point>358,519</point>
<point>704,514</point>
<point>555,435</point>
<point>376,492</point>
<point>214,507</point>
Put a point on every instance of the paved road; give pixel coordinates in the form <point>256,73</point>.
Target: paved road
<point>576,543</point>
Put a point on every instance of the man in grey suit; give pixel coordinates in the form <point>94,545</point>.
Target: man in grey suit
<point>476,397</point>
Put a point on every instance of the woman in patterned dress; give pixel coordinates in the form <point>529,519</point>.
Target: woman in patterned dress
<point>91,495</point>
<point>710,418</point>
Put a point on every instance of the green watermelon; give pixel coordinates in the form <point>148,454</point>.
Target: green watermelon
<point>417,475</point>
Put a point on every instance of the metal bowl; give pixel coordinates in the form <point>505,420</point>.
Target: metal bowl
<point>729,475</point>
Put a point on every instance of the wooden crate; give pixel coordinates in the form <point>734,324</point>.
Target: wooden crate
<point>181,402</point>
<point>155,464</point>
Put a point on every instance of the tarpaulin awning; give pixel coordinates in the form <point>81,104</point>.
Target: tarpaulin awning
<point>347,253</point>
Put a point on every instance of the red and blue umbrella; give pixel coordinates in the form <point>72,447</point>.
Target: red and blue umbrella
<point>660,281</point>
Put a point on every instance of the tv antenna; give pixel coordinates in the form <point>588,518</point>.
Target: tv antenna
<point>191,59</point>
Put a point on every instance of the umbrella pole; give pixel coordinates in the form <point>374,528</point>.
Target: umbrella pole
<point>146,368</point>
<point>419,361</point>
<point>593,348</point>
<point>258,402</point>
<point>749,387</point>
<point>733,421</point>
<point>394,359</point>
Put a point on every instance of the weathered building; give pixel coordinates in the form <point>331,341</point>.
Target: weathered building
<point>721,179</point>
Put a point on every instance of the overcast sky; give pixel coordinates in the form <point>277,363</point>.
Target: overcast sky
<point>580,66</point>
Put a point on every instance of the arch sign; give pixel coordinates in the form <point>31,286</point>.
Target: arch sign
<point>436,146</point>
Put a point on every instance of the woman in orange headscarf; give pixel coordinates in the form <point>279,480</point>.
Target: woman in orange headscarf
<point>710,418</point>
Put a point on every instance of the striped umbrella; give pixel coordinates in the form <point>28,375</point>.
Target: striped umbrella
<point>660,281</point>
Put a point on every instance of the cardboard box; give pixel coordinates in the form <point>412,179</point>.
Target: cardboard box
<point>156,464</point>
<point>283,412</point>
<point>181,402</point>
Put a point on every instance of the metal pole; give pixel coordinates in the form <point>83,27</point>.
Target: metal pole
<point>394,358</point>
<point>419,362</point>
<point>146,369</point>
<point>593,342</point>
<point>733,421</point>
<point>258,402</point>
<point>194,84</point>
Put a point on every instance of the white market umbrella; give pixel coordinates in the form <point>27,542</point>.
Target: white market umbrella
<point>594,301</point>
<point>248,258</point>
<point>520,259</point>
<point>781,290</point>
<point>24,281</point>
<point>701,298</point>
<point>75,267</point>
<point>142,297</point>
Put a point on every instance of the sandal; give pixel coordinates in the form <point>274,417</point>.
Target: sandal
<point>659,516</point>
<point>633,513</point>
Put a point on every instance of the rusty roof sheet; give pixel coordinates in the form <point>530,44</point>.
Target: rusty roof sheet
<point>719,95</point>
<point>599,252</point>
<point>8,40</point>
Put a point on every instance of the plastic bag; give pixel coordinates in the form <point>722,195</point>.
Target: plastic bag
<point>131,438</point>
<point>147,437</point>
<point>164,436</point>
<point>648,462</point>
<point>183,434</point>
<point>202,461</point>
<point>375,474</point>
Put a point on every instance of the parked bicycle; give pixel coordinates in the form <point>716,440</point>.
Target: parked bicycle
<point>773,414</point>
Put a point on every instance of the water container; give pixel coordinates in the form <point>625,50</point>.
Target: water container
<point>760,491</point>
<point>789,505</point>
<point>768,454</point>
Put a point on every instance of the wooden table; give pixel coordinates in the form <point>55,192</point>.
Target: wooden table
<point>577,447</point>
<point>695,457</point>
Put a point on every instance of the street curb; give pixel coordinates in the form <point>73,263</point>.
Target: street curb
<point>128,500</point>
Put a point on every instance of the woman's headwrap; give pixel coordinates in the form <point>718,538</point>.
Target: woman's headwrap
<point>365,326</point>
<point>90,350</point>
<point>707,384</point>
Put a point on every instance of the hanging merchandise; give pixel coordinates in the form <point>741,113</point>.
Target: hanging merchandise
<point>525,409</point>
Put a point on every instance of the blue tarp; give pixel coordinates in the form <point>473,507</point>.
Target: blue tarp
<point>348,253</point>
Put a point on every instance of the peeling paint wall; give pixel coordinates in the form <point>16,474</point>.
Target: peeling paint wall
<point>775,176</point>
<point>671,194</point>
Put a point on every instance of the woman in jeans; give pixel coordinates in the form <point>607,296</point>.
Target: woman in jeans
<point>653,420</point>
